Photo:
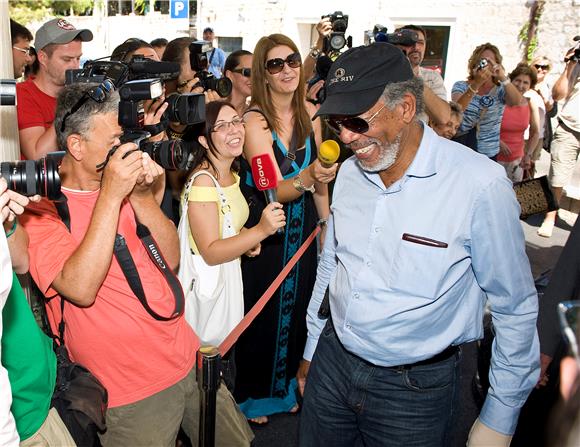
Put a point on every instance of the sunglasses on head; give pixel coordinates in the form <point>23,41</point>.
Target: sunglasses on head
<point>541,67</point>
<point>277,65</point>
<point>355,124</point>
<point>97,94</point>
<point>245,72</point>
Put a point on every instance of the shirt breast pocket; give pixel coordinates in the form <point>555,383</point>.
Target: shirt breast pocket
<point>418,269</point>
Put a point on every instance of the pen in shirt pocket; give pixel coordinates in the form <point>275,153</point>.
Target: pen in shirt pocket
<point>423,240</point>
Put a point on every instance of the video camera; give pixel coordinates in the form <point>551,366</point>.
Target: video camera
<point>199,56</point>
<point>184,109</point>
<point>31,177</point>
<point>404,37</point>
<point>337,39</point>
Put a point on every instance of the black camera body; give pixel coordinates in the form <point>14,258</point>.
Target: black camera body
<point>132,94</point>
<point>199,57</point>
<point>337,39</point>
<point>32,177</point>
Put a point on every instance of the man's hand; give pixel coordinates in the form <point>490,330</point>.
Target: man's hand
<point>545,361</point>
<point>324,27</point>
<point>301,375</point>
<point>123,170</point>
<point>12,203</point>
<point>483,436</point>
<point>151,172</point>
<point>154,110</point>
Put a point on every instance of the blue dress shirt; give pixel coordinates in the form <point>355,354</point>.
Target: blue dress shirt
<point>395,302</point>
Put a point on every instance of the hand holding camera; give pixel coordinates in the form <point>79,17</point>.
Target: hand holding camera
<point>12,203</point>
<point>482,73</point>
<point>124,167</point>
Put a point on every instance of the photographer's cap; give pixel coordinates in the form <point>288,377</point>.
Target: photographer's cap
<point>59,31</point>
<point>358,77</point>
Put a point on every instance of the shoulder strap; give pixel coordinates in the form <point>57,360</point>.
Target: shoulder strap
<point>225,209</point>
<point>130,270</point>
<point>290,155</point>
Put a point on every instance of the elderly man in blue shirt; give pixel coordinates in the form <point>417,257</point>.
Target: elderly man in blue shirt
<point>423,232</point>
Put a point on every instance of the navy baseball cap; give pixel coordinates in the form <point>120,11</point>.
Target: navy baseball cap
<point>358,77</point>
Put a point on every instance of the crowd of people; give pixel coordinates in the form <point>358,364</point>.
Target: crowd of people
<point>420,235</point>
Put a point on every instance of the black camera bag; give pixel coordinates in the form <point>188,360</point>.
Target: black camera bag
<point>79,397</point>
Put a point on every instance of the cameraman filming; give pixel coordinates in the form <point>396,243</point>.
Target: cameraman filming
<point>144,356</point>
<point>436,106</point>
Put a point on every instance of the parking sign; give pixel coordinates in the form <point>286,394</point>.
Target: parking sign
<point>179,9</point>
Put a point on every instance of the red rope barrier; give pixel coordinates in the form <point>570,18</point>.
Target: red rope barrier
<point>254,311</point>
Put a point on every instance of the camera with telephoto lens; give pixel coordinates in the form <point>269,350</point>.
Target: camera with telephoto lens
<point>337,39</point>
<point>187,108</point>
<point>169,154</point>
<point>199,56</point>
<point>7,92</point>
<point>32,177</point>
<point>403,37</point>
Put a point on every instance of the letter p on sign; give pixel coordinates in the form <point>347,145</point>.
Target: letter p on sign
<point>179,9</point>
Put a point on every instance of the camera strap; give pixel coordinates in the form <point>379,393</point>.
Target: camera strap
<point>129,268</point>
<point>156,129</point>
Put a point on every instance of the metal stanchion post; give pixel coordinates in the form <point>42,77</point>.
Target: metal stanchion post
<point>208,380</point>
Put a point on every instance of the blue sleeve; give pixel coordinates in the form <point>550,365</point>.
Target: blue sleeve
<point>459,87</point>
<point>503,272</point>
<point>326,268</point>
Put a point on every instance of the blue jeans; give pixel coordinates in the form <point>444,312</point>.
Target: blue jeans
<point>348,401</point>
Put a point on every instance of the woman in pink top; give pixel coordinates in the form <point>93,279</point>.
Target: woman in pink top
<point>515,151</point>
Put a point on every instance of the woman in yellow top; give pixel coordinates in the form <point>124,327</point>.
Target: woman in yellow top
<point>220,145</point>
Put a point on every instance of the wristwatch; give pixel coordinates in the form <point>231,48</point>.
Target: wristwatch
<point>300,186</point>
<point>315,53</point>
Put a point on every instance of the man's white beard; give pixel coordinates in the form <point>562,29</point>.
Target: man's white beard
<point>387,156</point>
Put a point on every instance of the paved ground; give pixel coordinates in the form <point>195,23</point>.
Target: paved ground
<point>543,253</point>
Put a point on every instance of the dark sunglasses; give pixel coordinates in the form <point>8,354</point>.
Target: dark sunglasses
<point>355,124</point>
<point>276,65</point>
<point>97,94</point>
<point>541,67</point>
<point>245,72</point>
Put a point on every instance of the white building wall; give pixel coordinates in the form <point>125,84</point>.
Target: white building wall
<point>471,22</point>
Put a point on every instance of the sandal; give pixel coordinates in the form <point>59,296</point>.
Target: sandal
<point>546,228</point>
<point>259,421</point>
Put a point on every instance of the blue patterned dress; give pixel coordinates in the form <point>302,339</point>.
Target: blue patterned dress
<point>269,352</point>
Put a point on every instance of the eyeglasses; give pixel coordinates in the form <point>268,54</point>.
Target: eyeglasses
<point>225,125</point>
<point>245,72</point>
<point>541,67</point>
<point>23,50</point>
<point>355,124</point>
<point>97,94</point>
<point>568,312</point>
<point>276,65</point>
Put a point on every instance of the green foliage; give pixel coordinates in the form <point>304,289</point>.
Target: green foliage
<point>26,11</point>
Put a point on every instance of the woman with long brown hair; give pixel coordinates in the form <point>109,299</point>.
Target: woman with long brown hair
<point>278,123</point>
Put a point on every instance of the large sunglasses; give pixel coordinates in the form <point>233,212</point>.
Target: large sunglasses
<point>245,72</point>
<point>98,94</point>
<point>568,313</point>
<point>355,124</point>
<point>276,65</point>
<point>541,67</point>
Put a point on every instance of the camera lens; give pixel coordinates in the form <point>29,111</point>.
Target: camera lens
<point>337,41</point>
<point>30,177</point>
<point>169,154</point>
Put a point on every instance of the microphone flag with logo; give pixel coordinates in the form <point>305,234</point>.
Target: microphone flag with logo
<point>265,178</point>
